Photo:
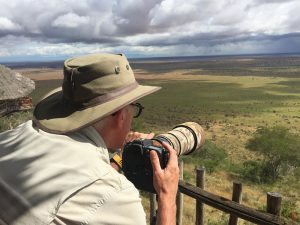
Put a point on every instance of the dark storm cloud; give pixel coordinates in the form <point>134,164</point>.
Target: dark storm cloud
<point>157,23</point>
<point>132,17</point>
<point>58,20</point>
<point>213,39</point>
<point>88,21</point>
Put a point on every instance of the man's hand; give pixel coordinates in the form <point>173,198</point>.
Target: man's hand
<point>166,185</point>
<point>136,135</point>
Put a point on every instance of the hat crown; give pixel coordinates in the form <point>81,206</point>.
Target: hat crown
<point>91,76</point>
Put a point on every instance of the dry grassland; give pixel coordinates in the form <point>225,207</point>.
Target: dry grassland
<point>41,74</point>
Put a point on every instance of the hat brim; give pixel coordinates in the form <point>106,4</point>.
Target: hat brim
<point>54,116</point>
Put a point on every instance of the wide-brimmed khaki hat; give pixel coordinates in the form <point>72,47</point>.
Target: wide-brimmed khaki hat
<point>94,86</point>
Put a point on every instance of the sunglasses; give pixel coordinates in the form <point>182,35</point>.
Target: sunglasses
<point>138,108</point>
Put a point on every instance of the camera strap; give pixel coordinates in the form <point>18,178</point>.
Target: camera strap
<point>117,160</point>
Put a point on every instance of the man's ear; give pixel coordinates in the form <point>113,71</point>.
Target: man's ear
<point>119,117</point>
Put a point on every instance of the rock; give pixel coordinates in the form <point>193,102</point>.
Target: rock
<point>13,85</point>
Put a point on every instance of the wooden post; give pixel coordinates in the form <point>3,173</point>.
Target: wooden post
<point>179,197</point>
<point>153,206</point>
<point>274,203</point>
<point>236,197</point>
<point>199,205</point>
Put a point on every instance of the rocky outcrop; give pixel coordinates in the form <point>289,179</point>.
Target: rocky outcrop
<point>14,89</point>
<point>13,85</point>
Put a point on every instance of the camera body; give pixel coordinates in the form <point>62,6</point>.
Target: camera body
<point>183,138</point>
<point>137,165</point>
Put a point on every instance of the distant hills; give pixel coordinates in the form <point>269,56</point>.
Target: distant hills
<point>272,65</point>
<point>59,63</point>
<point>19,65</point>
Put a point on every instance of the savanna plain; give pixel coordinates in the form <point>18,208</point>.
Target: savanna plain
<point>231,98</point>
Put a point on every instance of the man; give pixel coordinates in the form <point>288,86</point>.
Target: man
<point>56,170</point>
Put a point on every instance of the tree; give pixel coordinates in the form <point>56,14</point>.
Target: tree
<point>280,148</point>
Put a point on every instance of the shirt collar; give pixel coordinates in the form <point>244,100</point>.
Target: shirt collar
<point>92,134</point>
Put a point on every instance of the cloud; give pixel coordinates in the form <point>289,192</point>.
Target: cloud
<point>161,26</point>
<point>7,25</point>
<point>70,20</point>
<point>132,16</point>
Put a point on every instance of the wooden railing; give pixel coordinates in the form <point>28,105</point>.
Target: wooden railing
<point>233,207</point>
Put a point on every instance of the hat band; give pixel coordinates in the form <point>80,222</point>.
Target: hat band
<point>109,96</point>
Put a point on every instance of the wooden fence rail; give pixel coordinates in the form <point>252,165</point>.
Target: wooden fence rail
<point>232,207</point>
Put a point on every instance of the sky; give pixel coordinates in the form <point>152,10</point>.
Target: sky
<point>43,30</point>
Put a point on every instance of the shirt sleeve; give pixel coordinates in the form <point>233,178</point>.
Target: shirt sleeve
<point>101,203</point>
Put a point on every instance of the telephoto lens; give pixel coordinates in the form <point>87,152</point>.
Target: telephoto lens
<point>184,138</point>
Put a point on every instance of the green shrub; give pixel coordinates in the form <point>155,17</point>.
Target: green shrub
<point>233,168</point>
<point>210,156</point>
<point>257,171</point>
<point>14,119</point>
<point>252,170</point>
<point>279,147</point>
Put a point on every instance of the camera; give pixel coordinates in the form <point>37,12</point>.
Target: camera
<point>184,138</point>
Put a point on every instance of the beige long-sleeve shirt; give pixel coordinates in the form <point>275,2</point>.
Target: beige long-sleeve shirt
<point>58,179</point>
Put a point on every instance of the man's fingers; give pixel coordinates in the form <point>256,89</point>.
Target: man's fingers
<point>172,152</point>
<point>155,161</point>
<point>137,135</point>
<point>150,135</point>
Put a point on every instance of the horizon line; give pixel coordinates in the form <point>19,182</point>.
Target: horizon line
<point>148,57</point>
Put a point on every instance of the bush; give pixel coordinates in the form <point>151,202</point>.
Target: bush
<point>210,156</point>
<point>252,171</point>
<point>257,171</point>
<point>280,149</point>
<point>12,120</point>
